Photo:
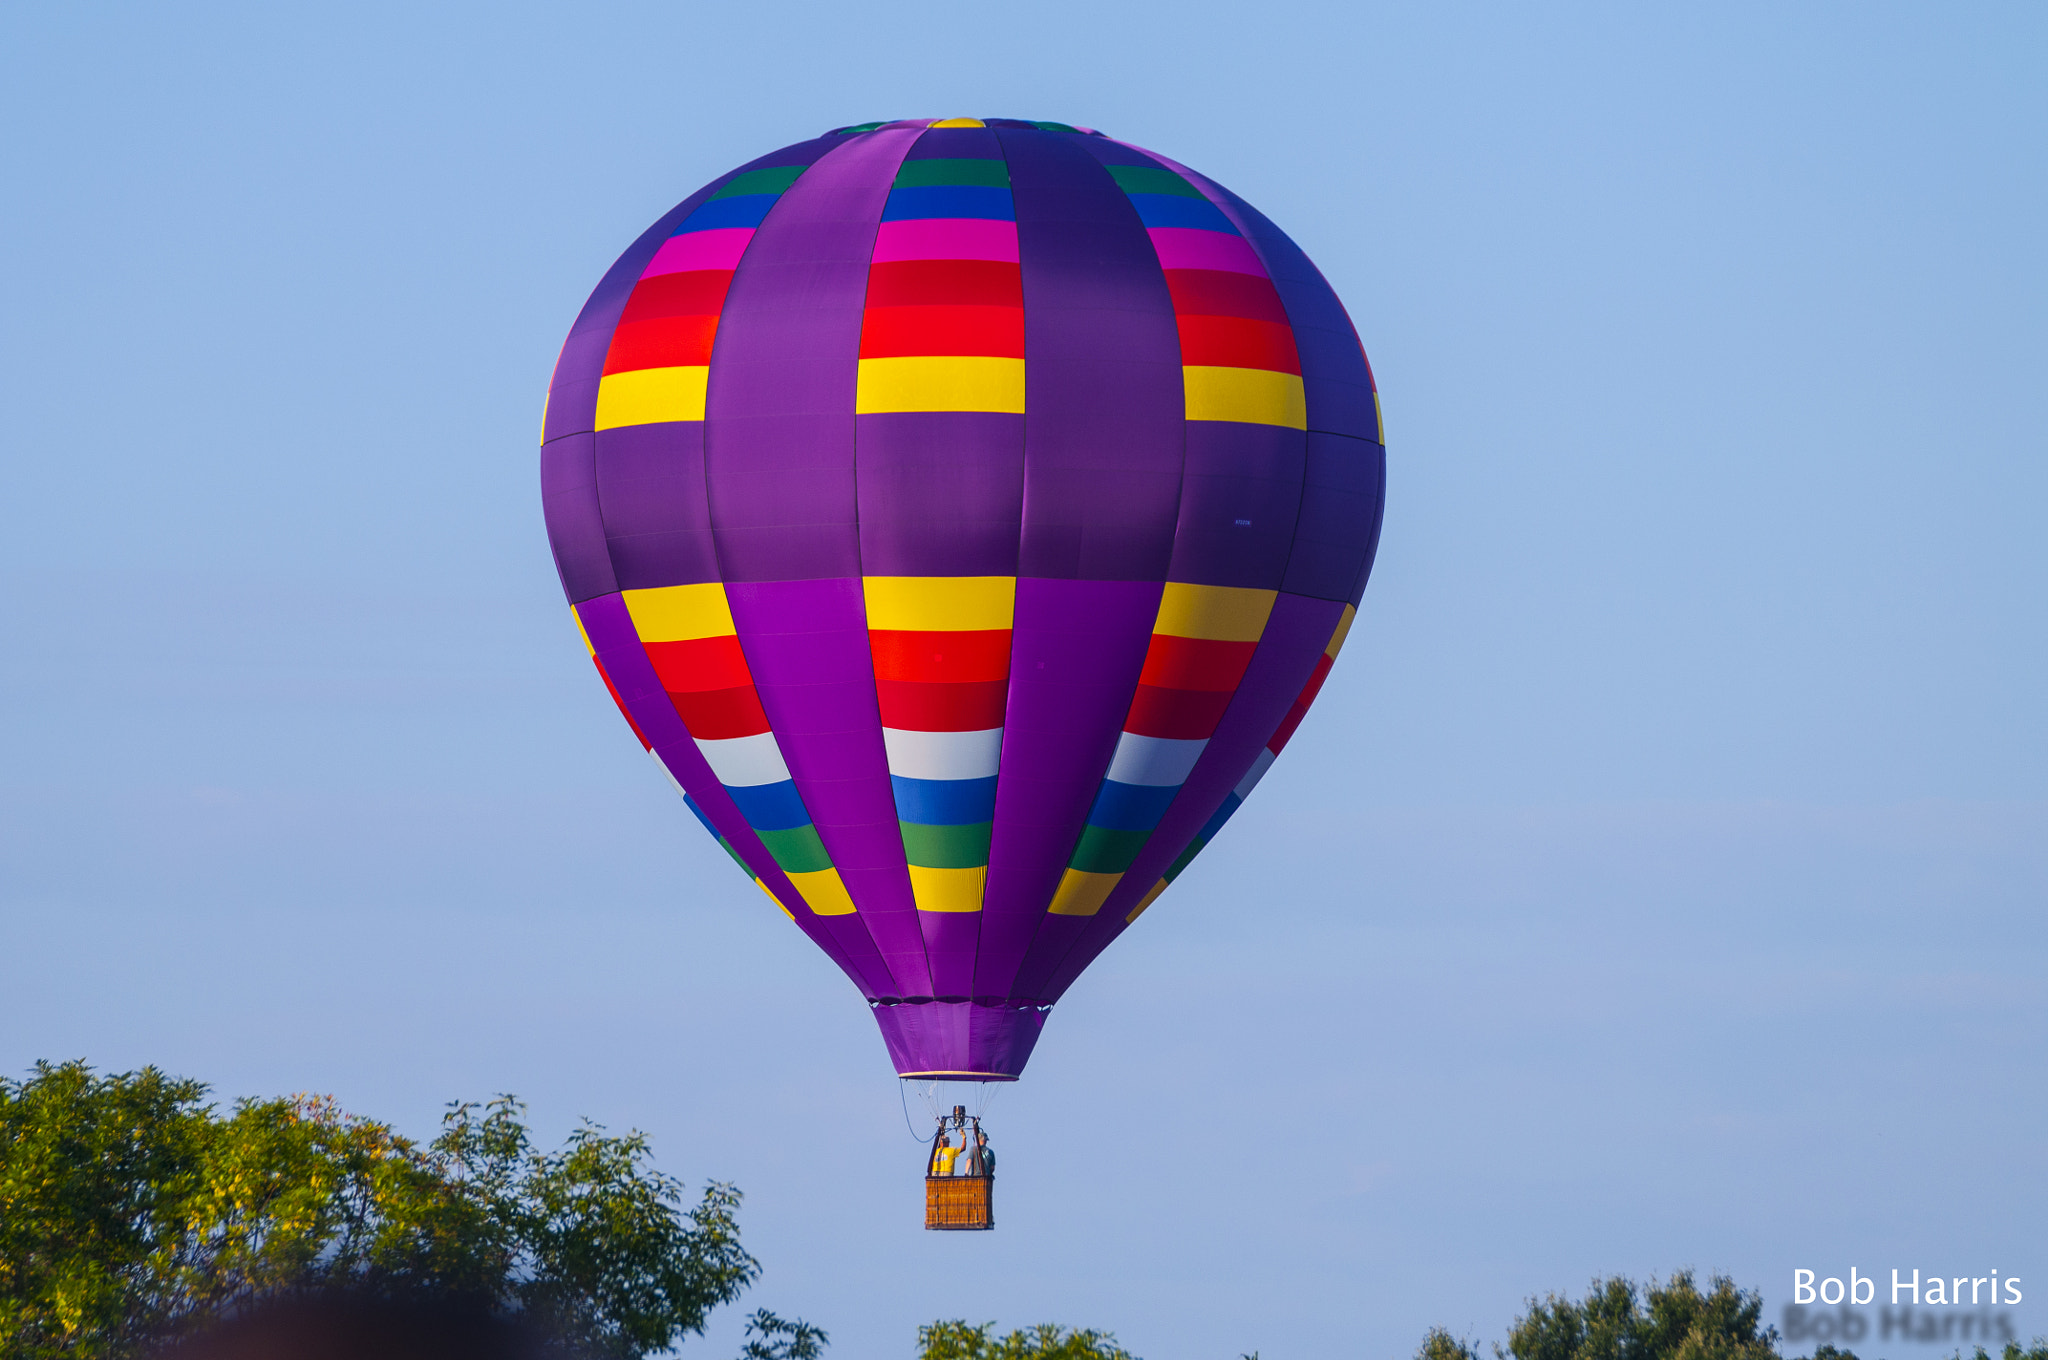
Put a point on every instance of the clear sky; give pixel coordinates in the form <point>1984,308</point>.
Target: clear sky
<point>1658,882</point>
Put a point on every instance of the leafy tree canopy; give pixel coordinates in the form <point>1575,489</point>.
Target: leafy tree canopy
<point>1675,1320</point>
<point>957,1340</point>
<point>132,1210</point>
<point>771,1338</point>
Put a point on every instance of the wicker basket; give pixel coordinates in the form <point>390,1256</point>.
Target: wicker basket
<point>959,1203</point>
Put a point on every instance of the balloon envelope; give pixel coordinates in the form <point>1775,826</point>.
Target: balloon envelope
<point>963,513</point>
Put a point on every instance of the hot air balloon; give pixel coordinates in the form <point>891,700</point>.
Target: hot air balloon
<point>963,513</point>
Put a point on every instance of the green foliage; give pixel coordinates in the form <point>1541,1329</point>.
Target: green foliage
<point>2013,1351</point>
<point>771,1338</point>
<point>1438,1344</point>
<point>956,1340</point>
<point>1672,1321</point>
<point>130,1211</point>
<point>600,1253</point>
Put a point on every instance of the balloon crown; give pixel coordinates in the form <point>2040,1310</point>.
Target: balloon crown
<point>1040,124</point>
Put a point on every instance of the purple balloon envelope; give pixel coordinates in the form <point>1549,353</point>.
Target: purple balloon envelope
<point>964,513</point>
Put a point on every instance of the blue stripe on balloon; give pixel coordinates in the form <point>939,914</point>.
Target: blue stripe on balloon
<point>770,807</point>
<point>743,210</point>
<point>950,200</point>
<point>1172,210</point>
<point>945,802</point>
<point>1130,807</point>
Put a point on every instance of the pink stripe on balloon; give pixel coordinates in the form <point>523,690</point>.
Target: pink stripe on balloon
<point>1193,248</point>
<point>946,238</point>
<point>720,249</point>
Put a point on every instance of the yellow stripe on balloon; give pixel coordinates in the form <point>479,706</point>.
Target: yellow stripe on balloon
<point>680,613</point>
<point>1343,631</point>
<point>1252,396</point>
<point>647,396</point>
<point>825,892</point>
<point>1217,613</point>
<point>940,603</point>
<point>947,889</point>
<point>953,382</point>
<point>1082,894</point>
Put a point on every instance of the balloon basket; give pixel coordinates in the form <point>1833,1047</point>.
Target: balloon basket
<point>959,1203</point>
<point>959,1177</point>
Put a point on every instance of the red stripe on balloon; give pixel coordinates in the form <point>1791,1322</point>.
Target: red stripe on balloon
<point>892,332</point>
<point>700,664</point>
<point>941,657</point>
<point>695,292</point>
<point>1177,714</point>
<point>972,707</point>
<point>720,714</point>
<point>1195,663</point>
<point>1237,342</point>
<point>1218,292</point>
<point>663,342</point>
<point>945,283</point>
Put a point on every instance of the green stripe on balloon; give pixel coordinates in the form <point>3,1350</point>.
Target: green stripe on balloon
<point>942,171</point>
<point>770,179</point>
<point>797,850</point>
<point>1151,179</point>
<point>1104,850</point>
<point>946,847</point>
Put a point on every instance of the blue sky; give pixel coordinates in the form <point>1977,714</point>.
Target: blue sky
<point>1661,872</point>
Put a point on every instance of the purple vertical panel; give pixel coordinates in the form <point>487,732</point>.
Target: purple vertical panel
<point>650,489</point>
<point>1112,152</point>
<point>779,437</point>
<point>1104,413</point>
<point>807,644</point>
<point>568,501</point>
<point>956,144</point>
<point>572,392</point>
<point>1055,938</point>
<point>1340,517</point>
<point>1334,372</point>
<point>1288,650</point>
<point>950,941</point>
<point>612,636</point>
<point>1337,521</point>
<point>941,492</point>
<point>1075,655</point>
<point>1238,504</point>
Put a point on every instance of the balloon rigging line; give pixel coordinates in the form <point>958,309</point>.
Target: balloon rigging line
<point>904,1101</point>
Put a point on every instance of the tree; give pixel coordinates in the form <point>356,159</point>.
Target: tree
<point>1671,1321</point>
<point>955,1339</point>
<point>130,1211</point>
<point>771,1338</point>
